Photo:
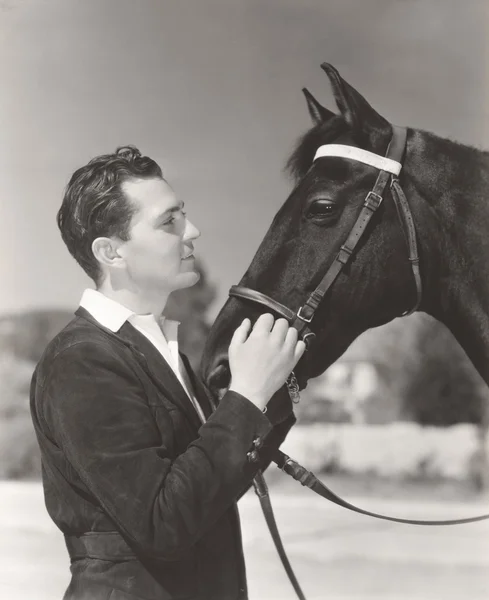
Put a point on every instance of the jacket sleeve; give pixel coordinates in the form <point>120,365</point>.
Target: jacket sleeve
<point>96,409</point>
<point>272,441</point>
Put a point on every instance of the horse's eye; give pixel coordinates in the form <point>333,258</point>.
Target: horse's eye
<point>321,209</point>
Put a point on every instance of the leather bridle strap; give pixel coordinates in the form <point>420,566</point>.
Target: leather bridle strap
<point>406,219</point>
<point>259,298</point>
<point>246,293</point>
<point>261,490</point>
<point>308,479</point>
<point>370,206</point>
<point>395,152</point>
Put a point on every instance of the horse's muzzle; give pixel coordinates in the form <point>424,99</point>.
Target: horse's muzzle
<point>218,378</point>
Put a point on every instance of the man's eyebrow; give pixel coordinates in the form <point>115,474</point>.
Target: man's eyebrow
<point>169,211</point>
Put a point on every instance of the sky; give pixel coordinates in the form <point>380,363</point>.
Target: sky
<point>211,89</point>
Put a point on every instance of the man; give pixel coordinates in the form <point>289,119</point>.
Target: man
<point>139,473</point>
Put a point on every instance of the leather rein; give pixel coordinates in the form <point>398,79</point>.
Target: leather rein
<point>389,168</point>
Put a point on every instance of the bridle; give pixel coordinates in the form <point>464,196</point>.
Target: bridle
<point>389,168</point>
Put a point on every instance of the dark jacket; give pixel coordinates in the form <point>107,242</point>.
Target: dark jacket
<point>144,493</point>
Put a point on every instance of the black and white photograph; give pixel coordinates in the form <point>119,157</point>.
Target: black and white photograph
<point>244,307</point>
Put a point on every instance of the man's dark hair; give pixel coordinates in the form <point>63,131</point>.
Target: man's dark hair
<point>94,204</point>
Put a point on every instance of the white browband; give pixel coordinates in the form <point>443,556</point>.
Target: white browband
<point>369,158</point>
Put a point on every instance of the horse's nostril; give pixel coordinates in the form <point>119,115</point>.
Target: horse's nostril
<point>219,379</point>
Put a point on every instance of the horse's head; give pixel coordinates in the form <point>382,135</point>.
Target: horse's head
<point>375,285</point>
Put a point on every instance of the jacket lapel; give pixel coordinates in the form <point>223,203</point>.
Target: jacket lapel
<point>153,364</point>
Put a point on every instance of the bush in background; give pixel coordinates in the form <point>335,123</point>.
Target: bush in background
<point>18,445</point>
<point>446,388</point>
<point>423,375</point>
<point>403,451</point>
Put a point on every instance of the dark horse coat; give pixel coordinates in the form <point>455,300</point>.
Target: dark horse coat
<point>143,492</point>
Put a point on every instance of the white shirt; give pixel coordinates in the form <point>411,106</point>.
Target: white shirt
<point>113,315</point>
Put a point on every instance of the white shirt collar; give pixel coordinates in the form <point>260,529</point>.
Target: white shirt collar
<point>113,314</point>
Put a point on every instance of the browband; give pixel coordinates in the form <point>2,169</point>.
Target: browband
<point>369,158</point>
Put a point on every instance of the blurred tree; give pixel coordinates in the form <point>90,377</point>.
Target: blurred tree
<point>18,445</point>
<point>390,350</point>
<point>425,375</point>
<point>26,334</point>
<point>444,387</point>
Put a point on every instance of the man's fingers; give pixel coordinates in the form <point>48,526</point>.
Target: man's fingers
<point>294,345</point>
<point>291,337</point>
<point>299,350</point>
<point>241,334</point>
<point>279,331</point>
<point>263,324</point>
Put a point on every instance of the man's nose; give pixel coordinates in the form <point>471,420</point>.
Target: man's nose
<point>191,232</point>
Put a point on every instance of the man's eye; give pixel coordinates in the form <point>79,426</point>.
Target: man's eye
<point>176,215</point>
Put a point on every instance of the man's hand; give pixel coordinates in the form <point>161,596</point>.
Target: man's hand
<point>261,361</point>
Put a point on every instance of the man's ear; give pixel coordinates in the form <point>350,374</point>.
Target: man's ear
<point>106,251</point>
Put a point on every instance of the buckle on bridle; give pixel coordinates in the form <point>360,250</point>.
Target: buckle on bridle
<point>308,339</point>
<point>288,462</point>
<point>373,201</point>
<point>303,317</point>
<point>344,254</point>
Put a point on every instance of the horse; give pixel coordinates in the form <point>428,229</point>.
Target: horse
<point>416,241</point>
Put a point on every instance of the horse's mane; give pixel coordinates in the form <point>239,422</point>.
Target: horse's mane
<point>301,158</point>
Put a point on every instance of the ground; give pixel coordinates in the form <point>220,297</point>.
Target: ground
<point>336,554</point>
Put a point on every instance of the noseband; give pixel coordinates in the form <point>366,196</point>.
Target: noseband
<point>389,168</point>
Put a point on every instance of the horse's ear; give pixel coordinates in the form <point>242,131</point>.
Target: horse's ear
<point>356,111</point>
<point>318,112</point>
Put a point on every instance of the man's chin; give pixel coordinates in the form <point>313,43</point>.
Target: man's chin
<point>188,279</point>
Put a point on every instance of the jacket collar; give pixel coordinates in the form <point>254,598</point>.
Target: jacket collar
<point>158,370</point>
<point>112,314</point>
<point>107,312</point>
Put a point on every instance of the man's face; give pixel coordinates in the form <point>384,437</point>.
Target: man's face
<point>159,253</point>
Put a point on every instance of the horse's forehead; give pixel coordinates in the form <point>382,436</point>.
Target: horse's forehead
<point>302,158</point>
